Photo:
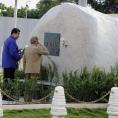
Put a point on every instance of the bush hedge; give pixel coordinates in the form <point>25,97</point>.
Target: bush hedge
<point>83,85</point>
<point>90,85</point>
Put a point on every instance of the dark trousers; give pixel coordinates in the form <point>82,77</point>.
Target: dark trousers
<point>31,75</point>
<point>8,74</point>
<point>29,94</point>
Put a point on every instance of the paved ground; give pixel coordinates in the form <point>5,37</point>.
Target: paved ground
<point>47,106</point>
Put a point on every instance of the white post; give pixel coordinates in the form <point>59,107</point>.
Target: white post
<point>1,109</point>
<point>83,3</point>
<point>15,14</point>
<point>58,107</point>
<point>26,10</point>
<point>112,109</point>
<point>27,7</point>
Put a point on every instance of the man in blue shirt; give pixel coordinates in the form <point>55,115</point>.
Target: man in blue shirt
<point>11,54</point>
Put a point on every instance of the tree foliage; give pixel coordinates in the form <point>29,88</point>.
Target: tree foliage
<point>44,5</point>
<point>105,6</point>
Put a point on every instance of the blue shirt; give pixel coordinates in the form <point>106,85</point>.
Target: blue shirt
<point>10,54</point>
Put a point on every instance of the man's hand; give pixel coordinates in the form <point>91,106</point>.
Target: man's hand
<point>21,52</point>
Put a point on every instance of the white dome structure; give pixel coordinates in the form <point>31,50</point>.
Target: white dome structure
<point>92,37</point>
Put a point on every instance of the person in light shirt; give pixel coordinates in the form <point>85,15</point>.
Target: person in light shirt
<point>33,57</point>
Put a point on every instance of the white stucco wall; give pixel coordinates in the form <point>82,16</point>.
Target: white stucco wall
<point>91,35</point>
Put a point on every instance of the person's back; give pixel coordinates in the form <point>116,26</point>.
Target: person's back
<point>33,58</point>
<point>9,59</point>
<point>10,54</point>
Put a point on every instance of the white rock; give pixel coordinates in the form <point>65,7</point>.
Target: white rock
<point>83,3</point>
<point>58,107</point>
<point>113,116</point>
<point>92,36</point>
<point>112,109</point>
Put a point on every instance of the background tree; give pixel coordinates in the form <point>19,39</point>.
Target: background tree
<point>6,11</point>
<point>1,13</point>
<point>22,12</point>
<point>2,8</point>
<point>33,13</point>
<point>44,5</point>
<point>105,6</point>
<point>97,5</point>
<point>68,0</point>
<point>9,12</point>
<point>110,6</point>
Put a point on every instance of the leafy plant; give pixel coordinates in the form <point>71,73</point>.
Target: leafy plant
<point>32,88</point>
<point>19,74</point>
<point>89,86</point>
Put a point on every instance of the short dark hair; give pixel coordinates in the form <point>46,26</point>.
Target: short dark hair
<point>34,40</point>
<point>15,30</point>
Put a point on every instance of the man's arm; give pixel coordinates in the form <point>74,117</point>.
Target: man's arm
<point>14,51</point>
<point>42,50</point>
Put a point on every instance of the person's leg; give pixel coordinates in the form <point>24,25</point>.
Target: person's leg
<point>12,73</point>
<point>35,91</point>
<point>8,74</point>
<point>12,81</point>
<point>27,76</point>
<point>30,93</point>
<point>27,96</point>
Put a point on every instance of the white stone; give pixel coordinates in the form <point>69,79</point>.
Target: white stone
<point>112,109</point>
<point>58,107</point>
<point>83,3</point>
<point>92,36</point>
<point>113,117</point>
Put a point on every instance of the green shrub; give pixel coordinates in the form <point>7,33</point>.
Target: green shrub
<point>19,74</point>
<point>29,89</point>
<point>89,86</point>
<point>83,85</point>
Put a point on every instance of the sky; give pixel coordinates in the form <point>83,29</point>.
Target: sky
<point>31,3</point>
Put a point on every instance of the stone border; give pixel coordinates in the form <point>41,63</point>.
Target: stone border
<point>48,106</point>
